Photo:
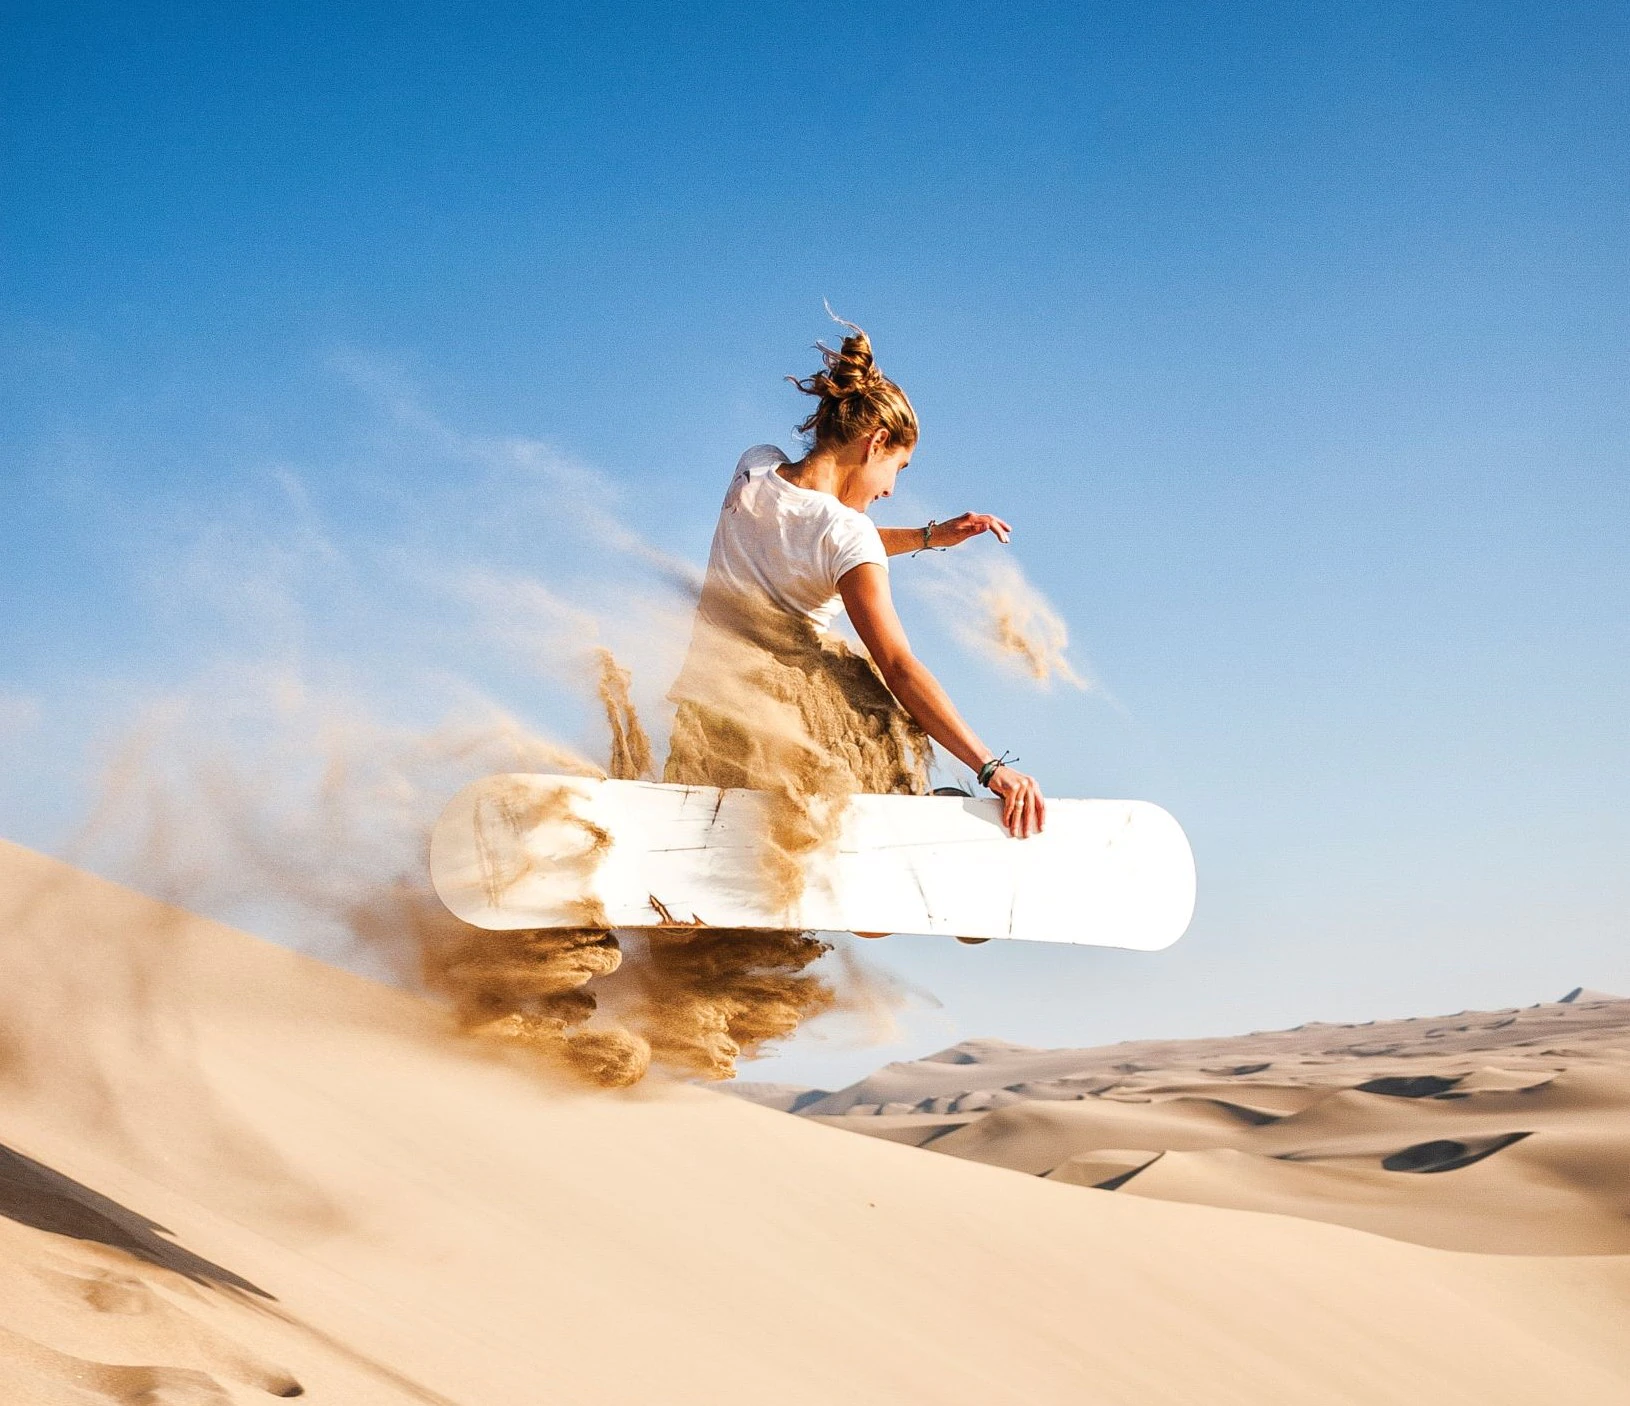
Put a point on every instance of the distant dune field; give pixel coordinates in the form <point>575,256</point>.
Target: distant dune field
<point>1502,1131</point>
<point>230,1174</point>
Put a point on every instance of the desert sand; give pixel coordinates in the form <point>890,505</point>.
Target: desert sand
<point>232,1174</point>
<point>1497,1131</point>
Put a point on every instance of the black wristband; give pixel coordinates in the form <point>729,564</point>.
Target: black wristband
<point>994,765</point>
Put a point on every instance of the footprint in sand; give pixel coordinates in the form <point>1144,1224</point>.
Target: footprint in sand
<point>125,1271</point>
<point>164,1329</point>
<point>42,1376</point>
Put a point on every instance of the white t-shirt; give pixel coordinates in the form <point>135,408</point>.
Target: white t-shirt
<point>789,543</point>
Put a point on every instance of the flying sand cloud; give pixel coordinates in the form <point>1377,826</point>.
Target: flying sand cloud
<point>993,611</point>
<point>339,694</point>
<point>346,646</point>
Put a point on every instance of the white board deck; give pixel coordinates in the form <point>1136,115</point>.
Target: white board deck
<point>525,851</point>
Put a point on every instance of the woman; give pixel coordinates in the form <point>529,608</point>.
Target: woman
<point>767,698</point>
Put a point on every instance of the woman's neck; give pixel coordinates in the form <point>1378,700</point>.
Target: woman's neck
<point>820,470</point>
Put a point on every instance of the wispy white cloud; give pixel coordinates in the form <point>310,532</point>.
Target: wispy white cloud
<point>528,479</point>
<point>349,631</point>
<point>525,616</point>
<point>251,562</point>
<point>20,714</point>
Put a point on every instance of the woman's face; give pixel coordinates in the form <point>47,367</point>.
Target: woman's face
<point>877,472</point>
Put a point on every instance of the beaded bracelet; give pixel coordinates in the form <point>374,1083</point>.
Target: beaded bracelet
<point>928,536</point>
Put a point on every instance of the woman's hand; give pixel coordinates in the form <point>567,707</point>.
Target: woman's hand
<point>1024,809</point>
<point>959,529</point>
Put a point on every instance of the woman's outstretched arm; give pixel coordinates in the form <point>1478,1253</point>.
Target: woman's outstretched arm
<point>899,540</point>
<point>866,597</point>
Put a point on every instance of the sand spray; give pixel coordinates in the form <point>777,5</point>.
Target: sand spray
<point>630,747</point>
<point>765,704</point>
<point>301,802</point>
<point>995,611</point>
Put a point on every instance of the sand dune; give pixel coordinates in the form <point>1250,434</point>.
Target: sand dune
<point>233,1174</point>
<point>1503,1131</point>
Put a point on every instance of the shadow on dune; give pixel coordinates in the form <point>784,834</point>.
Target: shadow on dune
<point>1410,1086</point>
<point>1448,1154</point>
<point>32,1194</point>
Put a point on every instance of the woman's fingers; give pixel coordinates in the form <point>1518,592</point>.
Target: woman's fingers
<point>972,524</point>
<point>1024,808</point>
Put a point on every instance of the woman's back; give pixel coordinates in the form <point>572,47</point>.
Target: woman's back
<point>782,545</point>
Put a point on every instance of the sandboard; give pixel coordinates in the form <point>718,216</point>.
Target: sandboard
<point>530,851</point>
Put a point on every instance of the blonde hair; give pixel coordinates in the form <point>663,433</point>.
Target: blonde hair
<point>855,397</point>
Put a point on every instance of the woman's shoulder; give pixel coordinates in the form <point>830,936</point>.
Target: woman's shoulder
<point>761,456</point>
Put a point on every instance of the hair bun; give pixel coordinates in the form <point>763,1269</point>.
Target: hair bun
<point>855,396</point>
<point>851,369</point>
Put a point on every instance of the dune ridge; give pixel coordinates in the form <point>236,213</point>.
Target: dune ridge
<point>1497,1131</point>
<point>235,1174</point>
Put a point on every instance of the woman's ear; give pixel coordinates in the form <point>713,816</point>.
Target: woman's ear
<point>878,443</point>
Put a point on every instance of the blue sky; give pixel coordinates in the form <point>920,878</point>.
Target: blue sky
<point>1291,337</point>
